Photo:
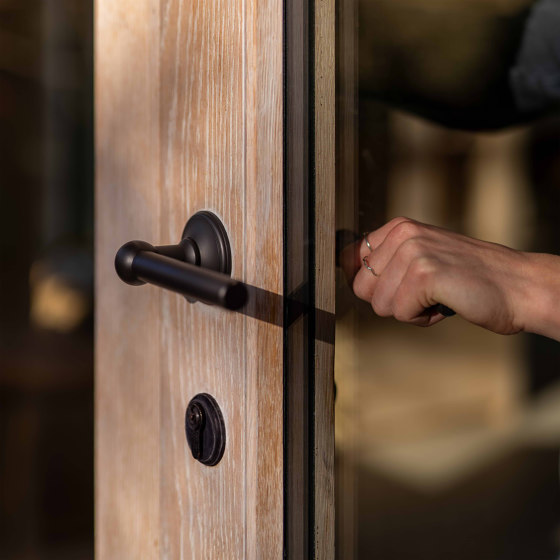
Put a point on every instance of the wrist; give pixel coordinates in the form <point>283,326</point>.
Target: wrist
<point>540,305</point>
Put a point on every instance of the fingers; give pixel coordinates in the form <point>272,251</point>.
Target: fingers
<point>383,298</point>
<point>351,257</point>
<point>376,237</point>
<point>404,263</point>
<point>393,265</point>
<point>386,241</point>
<point>364,281</point>
<point>350,261</point>
<point>411,301</point>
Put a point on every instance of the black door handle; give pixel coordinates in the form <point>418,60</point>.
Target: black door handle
<point>198,267</point>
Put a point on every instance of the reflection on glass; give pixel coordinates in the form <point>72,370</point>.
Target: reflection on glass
<point>447,438</point>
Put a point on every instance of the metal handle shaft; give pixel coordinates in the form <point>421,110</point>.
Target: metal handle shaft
<point>138,262</point>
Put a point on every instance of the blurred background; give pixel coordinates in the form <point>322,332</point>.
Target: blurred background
<point>46,279</point>
<point>447,438</point>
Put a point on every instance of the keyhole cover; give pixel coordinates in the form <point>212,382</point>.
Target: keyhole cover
<point>205,429</point>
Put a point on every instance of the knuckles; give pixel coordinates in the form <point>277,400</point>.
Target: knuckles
<point>381,307</point>
<point>381,299</point>
<point>361,288</point>
<point>400,314</point>
<point>412,248</point>
<point>421,270</point>
<point>403,230</point>
<point>418,278</point>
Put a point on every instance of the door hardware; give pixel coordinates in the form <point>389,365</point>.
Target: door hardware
<point>205,429</point>
<point>198,267</point>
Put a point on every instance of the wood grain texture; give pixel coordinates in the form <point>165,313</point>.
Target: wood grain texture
<point>189,117</point>
<point>127,405</point>
<point>202,347</point>
<point>264,268</point>
<point>324,274</point>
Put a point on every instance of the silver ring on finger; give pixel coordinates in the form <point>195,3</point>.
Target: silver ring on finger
<point>367,265</point>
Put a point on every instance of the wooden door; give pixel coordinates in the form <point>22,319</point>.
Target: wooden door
<point>192,114</point>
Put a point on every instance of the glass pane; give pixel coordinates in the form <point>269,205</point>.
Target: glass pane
<point>447,437</point>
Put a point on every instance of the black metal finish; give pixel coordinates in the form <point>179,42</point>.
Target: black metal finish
<point>205,429</point>
<point>198,267</point>
<point>210,236</point>
<point>444,310</point>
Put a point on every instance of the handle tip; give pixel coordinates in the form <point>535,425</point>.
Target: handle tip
<point>235,296</point>
<point>124,260</point>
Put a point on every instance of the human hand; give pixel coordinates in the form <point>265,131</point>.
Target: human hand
<point>419,266</point>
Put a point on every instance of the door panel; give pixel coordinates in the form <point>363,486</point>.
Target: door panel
<point>435,457</point>
<point>188,117</point>
<point>325,175</point>
<point>127,388</point>
<point>202,348</point>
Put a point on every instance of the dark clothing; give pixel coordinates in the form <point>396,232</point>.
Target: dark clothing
<point>535,78</point>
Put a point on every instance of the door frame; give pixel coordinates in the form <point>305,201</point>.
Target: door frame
<point>309,277</point>
<point>289,50</point>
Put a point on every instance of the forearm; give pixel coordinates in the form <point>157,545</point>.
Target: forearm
<point>409,267</point>
<point>541,309</point>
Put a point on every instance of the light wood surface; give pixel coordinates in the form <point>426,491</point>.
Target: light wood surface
<point>202,348</point>
<point>324,276</point>
<point>264,268</point>
<point>188,117</point>
<point>127,386</point>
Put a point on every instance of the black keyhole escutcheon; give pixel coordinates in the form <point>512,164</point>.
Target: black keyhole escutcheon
<point>205,429</point>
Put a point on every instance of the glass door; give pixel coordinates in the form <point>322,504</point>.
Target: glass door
<point>446,437</point>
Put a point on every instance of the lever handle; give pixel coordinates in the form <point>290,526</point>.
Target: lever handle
<point>198,267</point>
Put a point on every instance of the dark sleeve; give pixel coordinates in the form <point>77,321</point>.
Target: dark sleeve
<point>535,77</point>
<point>480,99</point>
